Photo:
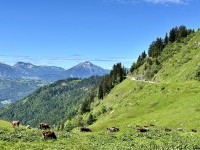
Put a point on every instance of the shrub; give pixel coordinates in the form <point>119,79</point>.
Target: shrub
<point>197,75</point>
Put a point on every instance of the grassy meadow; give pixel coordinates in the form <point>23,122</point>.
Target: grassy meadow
<point>22,139</point>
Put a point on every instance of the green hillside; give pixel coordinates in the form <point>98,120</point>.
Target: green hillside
<point>182,66</point>
<point>51,103</point>
<point>172,105</point>
<point>172,100</point>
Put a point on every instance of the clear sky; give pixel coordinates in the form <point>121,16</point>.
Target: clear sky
<point>66,32</point>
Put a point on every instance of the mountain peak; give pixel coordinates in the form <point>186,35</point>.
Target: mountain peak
<point>86,69</point>
<point>24,64</point>
<point>85,63</point>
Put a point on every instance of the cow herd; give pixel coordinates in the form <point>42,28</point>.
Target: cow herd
<point>50,134</point>
<point>43,126</point>
<point>110,129</point>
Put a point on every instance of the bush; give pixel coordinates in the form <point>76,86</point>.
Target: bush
<point>197,75</point>
<point>90,119</point>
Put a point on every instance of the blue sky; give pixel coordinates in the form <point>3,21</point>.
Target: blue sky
<point>66,32</point>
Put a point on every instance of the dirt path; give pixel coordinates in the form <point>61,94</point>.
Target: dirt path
<point>134,79</point>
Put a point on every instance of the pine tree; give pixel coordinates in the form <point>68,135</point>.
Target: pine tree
<point>172,35</point>
<point>100,92</point>
<point>117,75</point>
<point>183,31</point>
<point>166,40</point>
<point>90,119</point>
<point>143,55</point>
<point>156,48</point>
<point>133,67</point>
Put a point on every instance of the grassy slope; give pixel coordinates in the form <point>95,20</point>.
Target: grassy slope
<point>5,124</point>
<point>173,101</point>
<point>163,104</point>
<point>19,138</point>
<point>181,67</point>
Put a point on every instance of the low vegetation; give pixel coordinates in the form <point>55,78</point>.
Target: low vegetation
<point>129,138</point>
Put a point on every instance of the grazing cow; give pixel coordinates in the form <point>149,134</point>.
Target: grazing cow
<point>84,129</point>
<point>113,129</point>
<point>15,123</point>
<point>44,126</point>
<point>49,134</point>
<point>137,126</point>
<point>28,127</point>
<point>168,129</point>
<point>193,130</point>
<point>179,129</point>
<point>143,129</point>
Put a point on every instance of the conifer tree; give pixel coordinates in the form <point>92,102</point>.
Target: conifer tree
<point>90,119</point>
<point>117,75</point>
<point>172,35</point>
<point>166,40</point>
<point>182,31</point>
<point>100,92</point>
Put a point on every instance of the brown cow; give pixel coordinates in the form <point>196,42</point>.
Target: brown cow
<point>49,134</point>
<point>143,129</point>
<point>84,129</point>
<point>15,123</point>
<point>168,129</point>
<point>193,130</point>
<point>113,129</point>
<point>44,126</point>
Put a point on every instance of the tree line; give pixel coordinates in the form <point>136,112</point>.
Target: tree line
<point>155,49</point>
<point>116,76</point>
<point>175,34</point>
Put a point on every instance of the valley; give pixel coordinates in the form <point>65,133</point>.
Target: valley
<point>20,80</point>
<point>12,90</point>
<point>99,75</point>
<point>154,106</point>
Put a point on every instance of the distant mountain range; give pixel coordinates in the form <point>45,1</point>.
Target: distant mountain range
<point>49,73</point>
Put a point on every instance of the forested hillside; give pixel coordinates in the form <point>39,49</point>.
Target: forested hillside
<point>176,46</point>
<point>15,89</point>
<point>52,103</point>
